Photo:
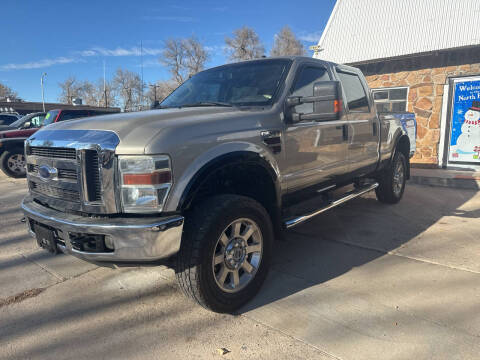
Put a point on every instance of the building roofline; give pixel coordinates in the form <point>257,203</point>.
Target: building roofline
<point>408,56</point>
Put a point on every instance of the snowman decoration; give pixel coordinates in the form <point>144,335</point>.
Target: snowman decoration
<point>469,139</point>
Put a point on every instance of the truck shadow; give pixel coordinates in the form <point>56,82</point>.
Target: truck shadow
<point>355,234</point>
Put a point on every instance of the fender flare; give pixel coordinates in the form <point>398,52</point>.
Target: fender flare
<point>215,158</point>
<point>401,136</point>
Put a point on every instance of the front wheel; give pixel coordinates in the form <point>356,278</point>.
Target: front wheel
<point>13,163</point>
<point>225,252</point>
<point>392,181</point>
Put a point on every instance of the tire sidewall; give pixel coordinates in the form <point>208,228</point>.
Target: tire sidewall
<point>256,213</point>
<point>4,162</point>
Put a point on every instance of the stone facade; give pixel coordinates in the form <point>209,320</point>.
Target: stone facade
<point>425,98</point>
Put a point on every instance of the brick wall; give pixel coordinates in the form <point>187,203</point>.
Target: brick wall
<point>425,99</point>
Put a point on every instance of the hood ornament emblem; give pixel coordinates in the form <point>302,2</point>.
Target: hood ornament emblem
<point>47,173</point>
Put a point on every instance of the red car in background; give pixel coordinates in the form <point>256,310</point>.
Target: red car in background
<point>12,155</point>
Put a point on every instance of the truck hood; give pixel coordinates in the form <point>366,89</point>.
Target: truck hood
<point>135,130</point>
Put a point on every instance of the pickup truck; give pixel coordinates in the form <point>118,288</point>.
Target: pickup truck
<point>229,161</point>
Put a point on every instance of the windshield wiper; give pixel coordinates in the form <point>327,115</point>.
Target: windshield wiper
<point>207,103</point>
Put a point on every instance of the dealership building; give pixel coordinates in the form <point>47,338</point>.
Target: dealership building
<point>421,56</point>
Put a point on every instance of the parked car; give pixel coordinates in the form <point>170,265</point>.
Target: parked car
<point>33,120</point>
<point>233,157</point>
<point>12,158</point>
<point>8,118</point>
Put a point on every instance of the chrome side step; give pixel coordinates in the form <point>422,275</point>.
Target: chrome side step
<point>348,196</point>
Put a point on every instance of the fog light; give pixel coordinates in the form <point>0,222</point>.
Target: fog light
<point>109,242</point>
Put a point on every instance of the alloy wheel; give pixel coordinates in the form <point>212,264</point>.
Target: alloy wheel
<point>237,255</point>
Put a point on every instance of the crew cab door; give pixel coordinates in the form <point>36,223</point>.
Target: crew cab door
<point>315,151</point>
<point>363,127</point>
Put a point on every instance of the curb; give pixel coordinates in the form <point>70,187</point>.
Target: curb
<point>446,178</point>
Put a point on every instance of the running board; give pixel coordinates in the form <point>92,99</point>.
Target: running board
<point>348,196</point>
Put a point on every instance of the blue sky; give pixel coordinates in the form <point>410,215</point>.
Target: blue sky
<point>65,37</point>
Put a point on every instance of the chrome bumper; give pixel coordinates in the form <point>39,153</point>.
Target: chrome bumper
<point>135,240</point>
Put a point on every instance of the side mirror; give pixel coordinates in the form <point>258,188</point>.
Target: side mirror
<point>27,125</point>
<point>326,99</point>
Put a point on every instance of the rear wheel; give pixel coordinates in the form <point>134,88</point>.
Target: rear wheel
<point>225,252</point>
<point>392,181</point>
<point>13,163</point>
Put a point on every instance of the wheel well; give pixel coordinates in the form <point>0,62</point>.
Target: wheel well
<point>241,177</point>
<point>403,146</point>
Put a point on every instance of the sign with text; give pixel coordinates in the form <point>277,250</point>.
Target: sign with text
<point>465,129</point>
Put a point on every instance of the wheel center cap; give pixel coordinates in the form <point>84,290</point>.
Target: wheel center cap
<point>235,253</point>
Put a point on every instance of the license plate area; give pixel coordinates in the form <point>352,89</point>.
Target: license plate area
<point>46,238</point>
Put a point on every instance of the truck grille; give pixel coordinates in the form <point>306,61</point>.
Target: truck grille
<point>92,176</point>
<point>62,173</point>
<point>50,152</point>
<point>55,192</point>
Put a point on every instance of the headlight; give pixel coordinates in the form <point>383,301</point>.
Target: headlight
<point>144,182</point>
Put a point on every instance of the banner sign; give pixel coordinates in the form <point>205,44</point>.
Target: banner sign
<point>465,130</point>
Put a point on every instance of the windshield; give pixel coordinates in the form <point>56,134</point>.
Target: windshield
<point>252,83</point>
<point>50,118</point>
<point>20,122</point>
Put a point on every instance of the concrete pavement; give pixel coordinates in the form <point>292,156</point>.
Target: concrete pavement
<point>362,281</point>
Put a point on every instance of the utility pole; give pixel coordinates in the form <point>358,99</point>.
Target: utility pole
<point>43,92</point>
<point>141,59</point>
<point>154,86</point>
<point>104,85</point>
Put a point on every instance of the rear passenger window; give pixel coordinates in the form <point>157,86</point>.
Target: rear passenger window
<point>304,86</point>
<point>354,92</point>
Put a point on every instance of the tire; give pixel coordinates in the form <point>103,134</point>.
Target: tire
<point>11,163</point>
<point>204,257</point>
<point>392,181</point>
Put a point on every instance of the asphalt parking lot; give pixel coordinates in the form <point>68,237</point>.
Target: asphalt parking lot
<point>363,281</point>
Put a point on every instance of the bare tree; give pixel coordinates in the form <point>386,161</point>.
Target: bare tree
<point>287,44</point>
<point>160,90</point>
<point>128,86</point>
<point>184,57</point>
<point>70,88</point>
<point>245,45</point>
<point>96,95</point>
<point>5,92</point>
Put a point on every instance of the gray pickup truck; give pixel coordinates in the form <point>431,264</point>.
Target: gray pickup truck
<point>205,183</point>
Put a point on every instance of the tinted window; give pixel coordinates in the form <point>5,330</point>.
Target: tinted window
<point>7,119</point>
<point>251,83</point>
<point>354,92</point>
<point>304,86</point>
<point>50,118</point>
<point>37,121</point>
<point>68,115</point>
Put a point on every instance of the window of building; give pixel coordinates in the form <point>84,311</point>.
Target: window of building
<point>391,99</point>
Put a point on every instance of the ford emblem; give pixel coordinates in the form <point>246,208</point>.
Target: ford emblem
<point>47,173</point>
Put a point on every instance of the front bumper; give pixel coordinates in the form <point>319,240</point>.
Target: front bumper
<point>135,239</point>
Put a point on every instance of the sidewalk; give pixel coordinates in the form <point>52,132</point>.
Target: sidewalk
<point>448,178</point>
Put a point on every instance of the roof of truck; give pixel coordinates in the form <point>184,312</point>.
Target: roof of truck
<point>360,31</point>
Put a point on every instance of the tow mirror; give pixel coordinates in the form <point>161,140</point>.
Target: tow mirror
<point>326,99</point>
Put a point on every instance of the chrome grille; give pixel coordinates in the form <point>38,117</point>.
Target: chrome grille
<point>51,152</point>
<point>62,173</point>
<point>92,176</point>
<point>52,191</point>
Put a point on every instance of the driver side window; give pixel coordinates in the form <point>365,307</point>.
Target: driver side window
<point>36,121</point>
<point>304,86</point>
